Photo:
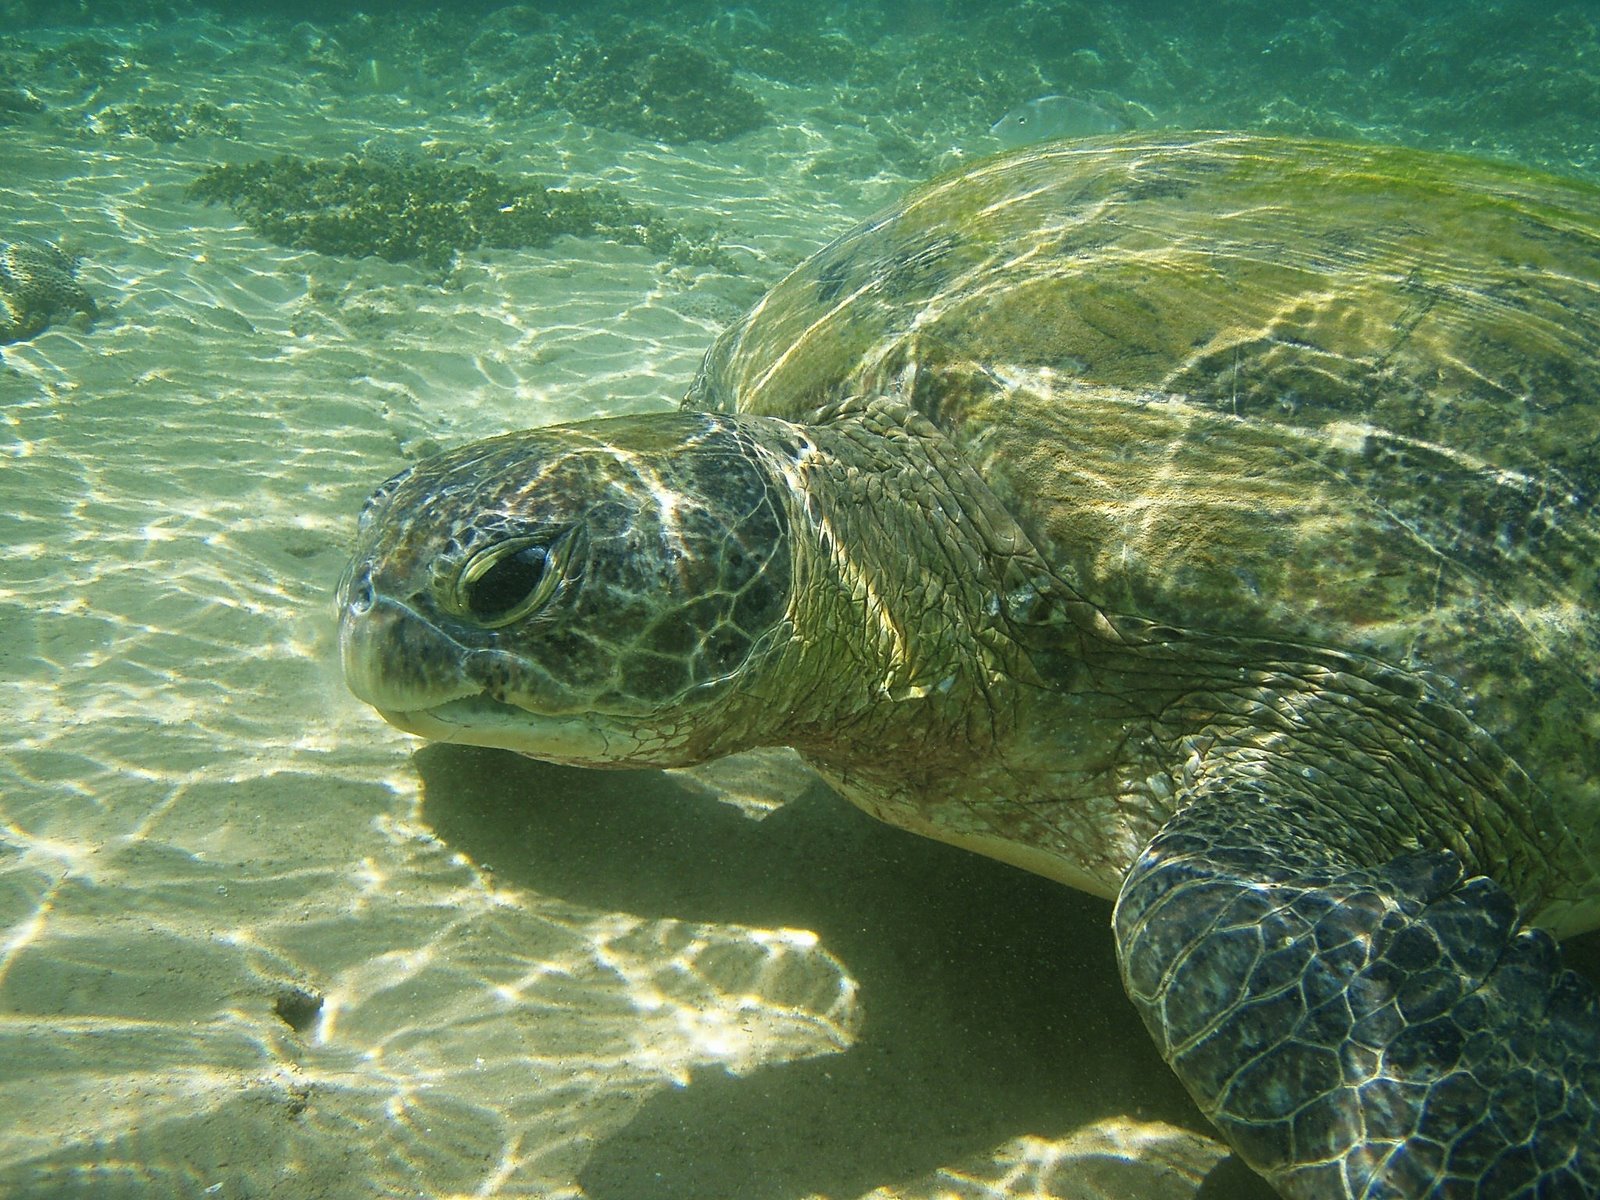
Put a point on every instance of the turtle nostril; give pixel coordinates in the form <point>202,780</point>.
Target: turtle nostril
<point>358,594</point>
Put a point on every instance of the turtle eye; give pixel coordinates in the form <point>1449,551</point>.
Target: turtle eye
<point>509,580</point>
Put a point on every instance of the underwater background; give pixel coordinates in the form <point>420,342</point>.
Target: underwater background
<point>255,257</point>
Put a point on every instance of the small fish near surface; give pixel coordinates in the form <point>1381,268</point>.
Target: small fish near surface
<point>1049,117</point>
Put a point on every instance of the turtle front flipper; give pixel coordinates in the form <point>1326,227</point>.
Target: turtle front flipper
<point>1360,1031</point>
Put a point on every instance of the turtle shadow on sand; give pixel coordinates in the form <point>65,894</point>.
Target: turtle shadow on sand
<point>993,1007</point>
<point>992,1003</point>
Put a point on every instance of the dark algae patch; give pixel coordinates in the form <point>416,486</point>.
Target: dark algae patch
<point>38,286</point>
<point>655,85</point>
<point>407,208</point>
<point>641,80</point>
<point>166,123</point>
<point>631,77</point>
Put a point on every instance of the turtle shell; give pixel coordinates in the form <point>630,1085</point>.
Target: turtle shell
<point>1343,395</point>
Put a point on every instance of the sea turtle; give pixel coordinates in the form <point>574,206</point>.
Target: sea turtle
<point>1207,522</point>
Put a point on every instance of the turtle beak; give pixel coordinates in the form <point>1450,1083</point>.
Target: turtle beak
<point>423,681</point>
<point>392,658</point>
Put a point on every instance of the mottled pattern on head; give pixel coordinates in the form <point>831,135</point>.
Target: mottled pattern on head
<point>672,531</point>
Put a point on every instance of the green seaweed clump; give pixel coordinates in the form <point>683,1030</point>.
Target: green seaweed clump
<point>655,85</point>
<point>166,123</point>
<point>83,58</point>
<point>38,284</point>
<point>406,208</point>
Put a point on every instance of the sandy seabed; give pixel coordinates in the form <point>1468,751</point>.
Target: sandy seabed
<point>254,943</point>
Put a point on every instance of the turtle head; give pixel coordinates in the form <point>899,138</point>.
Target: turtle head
<point>588,593</point>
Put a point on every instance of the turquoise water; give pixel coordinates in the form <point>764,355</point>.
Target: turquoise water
<point>254,942</point>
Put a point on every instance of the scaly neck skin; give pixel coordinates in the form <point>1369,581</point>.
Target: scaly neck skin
<point>907,672</point>
<point>982,703</point>
<point>900,667</point>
